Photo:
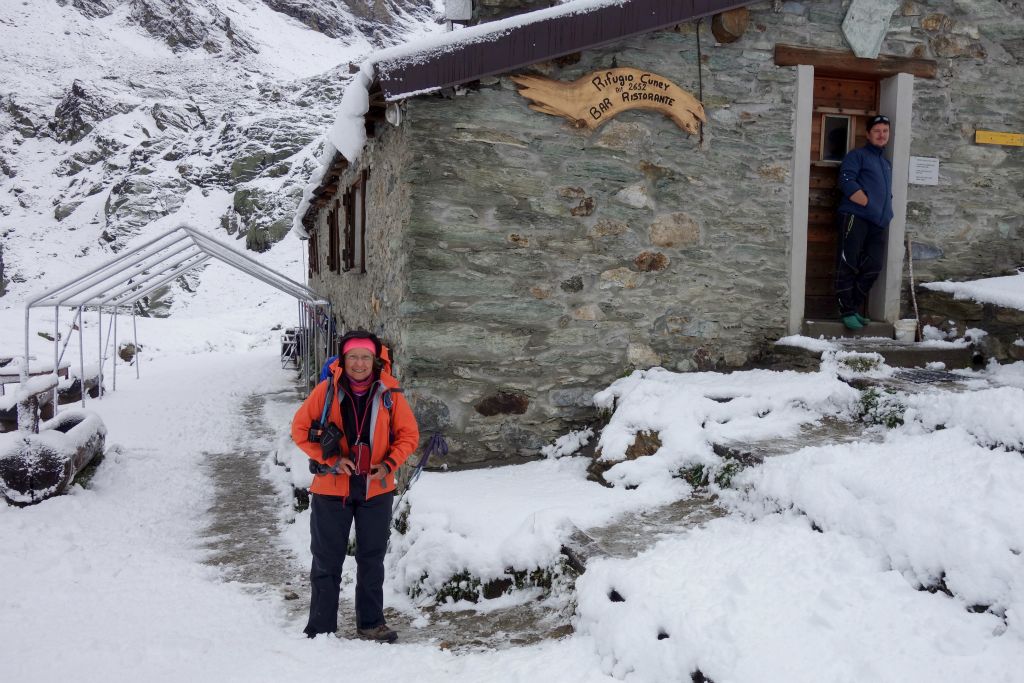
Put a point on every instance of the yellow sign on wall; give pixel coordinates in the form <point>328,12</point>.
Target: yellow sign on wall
<point>596,98</point>
<point>991,137</point>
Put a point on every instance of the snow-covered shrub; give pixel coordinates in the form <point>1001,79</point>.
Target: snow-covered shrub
<point>882,408</point>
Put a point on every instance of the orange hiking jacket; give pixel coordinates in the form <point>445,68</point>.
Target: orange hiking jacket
<point>398,421</point>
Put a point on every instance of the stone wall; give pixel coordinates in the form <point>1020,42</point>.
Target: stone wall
<point>972,224</point>
<point>371,300</point>
<point>1004,326</point>
<point>551,260</point>
<point>546,261</point>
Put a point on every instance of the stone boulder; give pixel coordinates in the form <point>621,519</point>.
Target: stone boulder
<point>82,108</point>
<point>259,148</point>
<point>380,21</point>
<point>93,9</point>
<point>3,278</point>
<point>644,444</point>
<point>184,117</point>
<point>188,25</point>
<point>18,118</point>
<point>138,200</point>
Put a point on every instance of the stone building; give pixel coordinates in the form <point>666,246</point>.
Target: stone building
<point>520,261</point>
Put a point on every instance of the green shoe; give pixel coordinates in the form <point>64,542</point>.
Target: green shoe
<point>862,319</point>
<point>852,322</point>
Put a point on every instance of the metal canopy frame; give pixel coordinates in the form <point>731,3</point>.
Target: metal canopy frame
<point>137,273</point>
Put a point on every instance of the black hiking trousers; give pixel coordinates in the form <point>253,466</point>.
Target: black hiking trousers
<point>859,261</point>
<point>330,521</point>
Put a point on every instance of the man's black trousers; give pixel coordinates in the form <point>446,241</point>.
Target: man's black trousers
<point>861,250</point>
<point>329,525</point>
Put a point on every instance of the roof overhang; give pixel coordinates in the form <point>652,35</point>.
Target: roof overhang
<point>501,47</point>
<point>527,42</point>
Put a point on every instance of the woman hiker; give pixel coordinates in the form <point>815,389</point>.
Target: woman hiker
<point>355,446</point>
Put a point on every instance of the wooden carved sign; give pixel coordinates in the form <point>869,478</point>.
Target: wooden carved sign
<point>593,99</point>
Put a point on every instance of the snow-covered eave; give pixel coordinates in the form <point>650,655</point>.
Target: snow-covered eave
<point>347,136</point>
<point>345,140</point>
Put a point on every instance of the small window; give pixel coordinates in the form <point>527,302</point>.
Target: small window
<point>314,254</point>
<point>354,202</point>
<point>333,241</point>
<point>835,137</point>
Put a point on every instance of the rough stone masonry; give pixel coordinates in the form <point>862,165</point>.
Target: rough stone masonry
<point>519,264</point>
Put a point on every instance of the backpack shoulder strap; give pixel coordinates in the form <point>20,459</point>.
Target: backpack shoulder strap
<point>327,400</point>
<point>389,403</point>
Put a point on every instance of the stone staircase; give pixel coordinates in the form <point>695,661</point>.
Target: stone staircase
<point>834,329</point>
<point>876,337</point>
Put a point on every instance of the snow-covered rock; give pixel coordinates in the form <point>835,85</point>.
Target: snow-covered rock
<point>113,111</point>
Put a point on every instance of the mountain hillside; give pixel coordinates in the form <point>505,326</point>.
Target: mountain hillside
<point>115,114</point>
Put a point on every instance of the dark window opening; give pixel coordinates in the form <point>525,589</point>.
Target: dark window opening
<point>354,203</point>
<point>314,255</point>
<point>835,137</point>
<point>333,241</point>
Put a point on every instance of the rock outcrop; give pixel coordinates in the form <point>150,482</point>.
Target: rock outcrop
<point>82,108</point>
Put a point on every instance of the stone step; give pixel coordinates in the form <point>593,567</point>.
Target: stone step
<point>901,354</point>
<point>897,354</point>
<point>831,329</point>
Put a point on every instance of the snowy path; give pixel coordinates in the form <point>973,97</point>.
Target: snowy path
<point>174,563</point>
<point>245,521</point>
<point>112,583</point>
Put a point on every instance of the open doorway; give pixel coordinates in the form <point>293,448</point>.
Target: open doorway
<point>839,112</point>
<point>828,80</point>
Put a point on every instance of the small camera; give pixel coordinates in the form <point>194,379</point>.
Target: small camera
<point>330,440</point>
<point>315,431</point>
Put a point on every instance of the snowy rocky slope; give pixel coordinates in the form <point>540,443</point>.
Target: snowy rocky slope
<point>114,112</point>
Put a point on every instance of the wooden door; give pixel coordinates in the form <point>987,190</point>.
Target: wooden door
<point>837,102</point>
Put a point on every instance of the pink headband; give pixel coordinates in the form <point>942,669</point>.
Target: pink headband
<point>357,343</point>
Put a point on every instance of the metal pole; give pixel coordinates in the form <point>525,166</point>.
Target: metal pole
<point>135,340</point>
<point>305,345</point>
<point>309,346</point>
<point>99,373</point>
<point>56,355</point>
<point>113,359</point>
<point>81,354</point>
<point>24,368</point>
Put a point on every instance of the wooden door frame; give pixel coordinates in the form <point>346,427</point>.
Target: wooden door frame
<point>896,98</point>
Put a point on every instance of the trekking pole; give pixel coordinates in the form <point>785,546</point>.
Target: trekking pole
<point>437,445</point>
<point>918,336</point>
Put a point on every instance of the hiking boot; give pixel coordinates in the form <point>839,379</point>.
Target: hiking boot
<point>851,322</point>
<point>863,321</point>
<point>382,634</point>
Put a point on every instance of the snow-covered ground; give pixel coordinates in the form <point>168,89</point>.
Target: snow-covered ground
<point>898,556</point>
<point>894,558</point>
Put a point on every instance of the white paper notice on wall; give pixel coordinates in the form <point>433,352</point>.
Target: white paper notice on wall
<point>924,171</point>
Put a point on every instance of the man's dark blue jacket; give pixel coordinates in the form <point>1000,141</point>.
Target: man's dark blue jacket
<point>866,168</point>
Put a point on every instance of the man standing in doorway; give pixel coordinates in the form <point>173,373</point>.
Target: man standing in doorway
<point>865,178</point>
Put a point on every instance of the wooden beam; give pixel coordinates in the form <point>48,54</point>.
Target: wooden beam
<point>338,166</point>
<point>845,63</point>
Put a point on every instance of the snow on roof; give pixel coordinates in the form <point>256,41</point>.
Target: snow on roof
<point>1005,291</point>
<point>347,136</point>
